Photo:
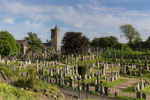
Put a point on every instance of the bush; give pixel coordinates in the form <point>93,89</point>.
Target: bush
<point>12,93</point>
<point>27,81</point>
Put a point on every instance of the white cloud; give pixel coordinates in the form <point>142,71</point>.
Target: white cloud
<point>9,20</point>
<point>93,1</point>
<point>80,6</point>
<point>33,25</point>
<point>30,11</point>
<point>128,1</point>
<point>95,19</point>
<point>27,22</point>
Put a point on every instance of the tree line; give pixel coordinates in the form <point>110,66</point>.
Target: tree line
<point>72,42</point>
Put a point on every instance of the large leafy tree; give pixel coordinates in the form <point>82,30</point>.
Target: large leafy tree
<point>75,42</point>
<point>8,44</point>
<point>148,39</point>
<point>104,42</point>
<point>34,43</point>
<point>130,33</point>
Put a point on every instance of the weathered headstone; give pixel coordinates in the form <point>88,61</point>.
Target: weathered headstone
<point>101,88</point>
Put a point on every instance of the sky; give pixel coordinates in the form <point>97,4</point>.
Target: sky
<point>94,18</point>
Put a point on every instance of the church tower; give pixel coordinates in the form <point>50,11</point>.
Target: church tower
<point>55,39</point>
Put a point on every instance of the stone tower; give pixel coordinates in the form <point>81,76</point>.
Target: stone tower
<point>55,39</point>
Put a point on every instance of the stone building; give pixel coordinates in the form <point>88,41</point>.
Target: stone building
<point>55,41</point>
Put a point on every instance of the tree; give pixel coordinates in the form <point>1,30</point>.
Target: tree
<point>104,42</point>
<point>34,43</point>
<point>148,40</point>
<point>19,47</point>
<point>50,49</point>
<point>8,44</point>
<point>74,42</point>
<point>137,40</point>
<point>130,32</point>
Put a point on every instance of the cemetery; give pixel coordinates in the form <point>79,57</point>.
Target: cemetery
<point>74,68</point>
<point>99,73</point>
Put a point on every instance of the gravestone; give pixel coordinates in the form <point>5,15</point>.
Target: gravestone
<point>71,82</point>
<point>87,87</point>
<point>146,83</point>
<point>137,88</point>
<point>103,71</point>
<point>140,70</point>
<point>37,61</point>
<point>78,83</point>
<point>112,76</point>
<point>96,87</point>
<point>62,80</point>
<point>29,62</point>
<point>142,84</point>
<point>65,82</point>
<point>138,95</point>
<point>101,88</point>
<point>106,91</point>
<point>98,76</point>
<point>83,86</point>
<point>144,96</point>
<point>20,63</point>
<point>118,74</point>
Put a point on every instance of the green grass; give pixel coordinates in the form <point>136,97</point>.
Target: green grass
<point>130,89</point>
<point>90,80</point>
<point>146,90</point>
<point>113,69</point>
<point>13,75</point>
<point>131,76</point>
<point>145,75</point>
<point>88,61</point>
<point>117,82</point>
<point>11,93</point>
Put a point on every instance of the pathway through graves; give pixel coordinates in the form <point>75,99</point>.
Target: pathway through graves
<point>118,89</point>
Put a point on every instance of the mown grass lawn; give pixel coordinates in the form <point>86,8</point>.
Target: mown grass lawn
<point>145,75</point>
<point>113,69</point>
<point>130,89</point>
<point>115,83</point>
